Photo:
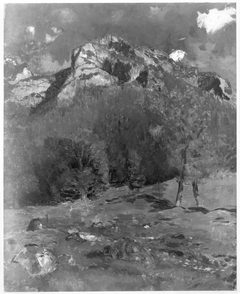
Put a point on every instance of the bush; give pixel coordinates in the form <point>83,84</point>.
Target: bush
<point>50,157</point>
<point>65,168</point>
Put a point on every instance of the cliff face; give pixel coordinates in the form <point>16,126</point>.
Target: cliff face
<point>112,62</point>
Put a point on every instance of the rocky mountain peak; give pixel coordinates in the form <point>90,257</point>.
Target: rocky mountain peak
<point>113,62</point>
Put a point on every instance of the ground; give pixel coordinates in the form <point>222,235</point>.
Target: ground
<point>176,248</point>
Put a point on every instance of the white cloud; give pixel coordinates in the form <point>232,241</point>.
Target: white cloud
<point>216,19</point>
<point>50,39</point>
<point>56,30</point>
<point>154,10</point>
<point>30,30</point>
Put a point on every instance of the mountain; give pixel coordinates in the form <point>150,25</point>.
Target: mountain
<point>94,120</point>
<point>113,62</point>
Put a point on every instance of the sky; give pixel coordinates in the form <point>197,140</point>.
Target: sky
<point>192,27</point>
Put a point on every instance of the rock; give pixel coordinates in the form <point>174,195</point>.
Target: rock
<point>89,237</point>
<point>34,225</point>
<point>124,248</point>
<point>30,92</point>
<point>209,81</point>
<point>178,236</point>
<point>35,260</point>
<point>37,223</point>
<point>75,236</point>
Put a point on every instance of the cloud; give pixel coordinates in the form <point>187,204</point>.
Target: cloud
<point>216,19</point>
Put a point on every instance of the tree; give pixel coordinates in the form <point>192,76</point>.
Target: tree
<point>185,118</point>
<point>123,123</point>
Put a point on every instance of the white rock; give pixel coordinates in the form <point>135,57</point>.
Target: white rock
<point>177,55</point>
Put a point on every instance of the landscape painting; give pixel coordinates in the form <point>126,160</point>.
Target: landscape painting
<point>120,147</point>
